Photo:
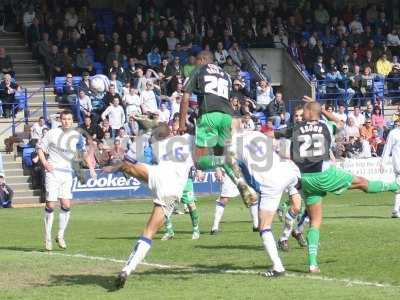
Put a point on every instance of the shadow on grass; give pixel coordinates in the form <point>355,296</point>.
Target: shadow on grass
<point>21,249</point>
<point>106,282</point>
<point>357,217</point>
<point>229,247</point>
<point>136,213</point>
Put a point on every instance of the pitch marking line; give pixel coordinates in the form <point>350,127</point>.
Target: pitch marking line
<point>348,282</point>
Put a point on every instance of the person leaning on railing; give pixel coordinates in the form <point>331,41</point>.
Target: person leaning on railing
<point>8,87</point>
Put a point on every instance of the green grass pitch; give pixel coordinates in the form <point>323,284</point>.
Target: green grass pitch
<point>359,255</point>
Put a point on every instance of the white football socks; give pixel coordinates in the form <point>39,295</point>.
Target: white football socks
<point>397,203</point>
<point>48,222</point>
<point>63,221</point>
<point>254,214</point>
<point>288,225</point>
<point>270,247</point>
<point>219,212</point>
<point>143,246</point>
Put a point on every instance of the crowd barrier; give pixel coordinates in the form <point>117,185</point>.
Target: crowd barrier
<point>117,186</point>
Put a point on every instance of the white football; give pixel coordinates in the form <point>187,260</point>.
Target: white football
<point>99,83</point>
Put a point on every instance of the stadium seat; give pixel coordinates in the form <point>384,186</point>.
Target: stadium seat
<point>98,68</point>
<point>58,85</point>
<point>77,80</point>
<point>21,98</point>
<point>26,157</point>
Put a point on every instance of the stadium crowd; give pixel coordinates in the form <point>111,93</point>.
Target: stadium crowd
<point>148,51</point>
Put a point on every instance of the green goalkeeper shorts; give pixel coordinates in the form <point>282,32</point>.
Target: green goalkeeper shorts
<point>213,129</point>
<point>314,186</point>
<point>188,194</point>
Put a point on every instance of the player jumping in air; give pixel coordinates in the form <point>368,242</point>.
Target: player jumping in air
<point>213,128</point>
<point>166,180</point>
<point>61,145</point>
<point>392,148</point>
<point>311,142</point>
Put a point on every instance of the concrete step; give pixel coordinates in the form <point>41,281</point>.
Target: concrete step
<point>11,164</point>
<point>7,35</point>
<point>9,158</point>
<point>11,41</point>
<point>26,200</point>
<point>20,55</point>
<point>29,76</point>
<point>17,62</point>
<point>17,172</point>
<point>18,179</point>
<point>27,193</point>
<point>16,48</point>
<point>28,69</point>
<point>20,187</point>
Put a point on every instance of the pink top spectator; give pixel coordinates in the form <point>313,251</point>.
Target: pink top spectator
<point>378,120</point>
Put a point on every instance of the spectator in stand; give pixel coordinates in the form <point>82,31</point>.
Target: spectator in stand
<point>34,35</point>
<point>154,57</point>
<point>116,116</point>
<point>84,85</point>
<point>7,95</point>
<point>6,193</point>
<point>377,143</point>
<point>320,70</point>
<point>236,54</point>
<point>117,83</point>
<point>378,120</point>
<point>102,155</point>
<point>132,127</point>
<point>344,85</point>
<point>85,106</point>
<point>365,147</point>
<point>37,131</point>
<point>368,111</point>
<point>276,110</point>
<point>321,16</point>
<point>90,129</point>
<point>237,109</point>
<point>69,91</point>
<point>67,61</point>
<point>220,54</point>
<point>71,18</point>
<point>171,40</point>
<point>148,99</point>
<point>358,117</point>
<point>119,72</point>
<point>139,82</point>
<point>341,113</point>
<point>353,147</point>
<point>6,65</point>
<point>117,152</point>
<point>189,67</point>
<point>238,90</point>
<point>393,83</point>
<point>84,62</point>
<point>229,67</point>
<point>164,113</point>
<point>366,129</point>
<point>53,64</point>
<point>393,39</point>
<point>247,123</point>
<point>132,103</point>
<point>369,61</point>
<point>104,128</point>
<point>383,66</point>
<point>115,55</point>
<point>124,139</point>
<point>264,95</point>
<point>28,17</point>
<point>367,86</point>
<point>110,95</point>
<point>351,129</point>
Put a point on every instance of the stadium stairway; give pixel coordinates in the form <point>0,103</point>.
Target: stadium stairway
<point>29,75</point>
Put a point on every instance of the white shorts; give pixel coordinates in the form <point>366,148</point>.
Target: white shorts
<point>228,188</point>
<point>166,192</point>
<point>58,185</point>
<point>271,191</point>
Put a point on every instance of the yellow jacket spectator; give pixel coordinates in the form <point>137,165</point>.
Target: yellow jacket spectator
<point>383,66</point>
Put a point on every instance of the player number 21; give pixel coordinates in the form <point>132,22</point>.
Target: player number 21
<point>312,145</point>
<point>216,86</point>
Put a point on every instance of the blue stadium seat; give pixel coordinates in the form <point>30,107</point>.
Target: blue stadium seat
<point>196,49</point>
<point>26,157</point>
<point>58,85</point>
<point>21,98</point>
<point>98,68</point>
<point>77,80</point>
